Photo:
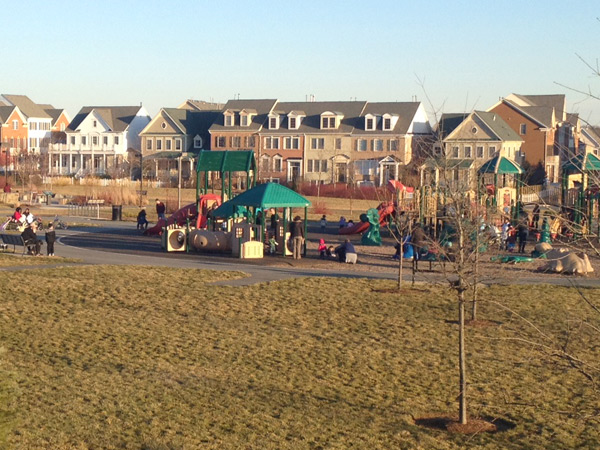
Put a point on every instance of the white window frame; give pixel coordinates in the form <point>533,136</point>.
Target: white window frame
<point>198,142</point>
<point>387,124</point>
<point>377,145</point>
<point>455,151</point>
<point>244,122</point>
<point>317,143</point>
<point>177,144</point>
<point>361,143</point>
<point>15,124</point>
<point>328,122</point>
<point>372,121</point>
<point>228,121</point>
<point>491,151</point>
<point>277,162</point>
<point>469,149</point>
<point>158,144</point>
<point>273,122</point>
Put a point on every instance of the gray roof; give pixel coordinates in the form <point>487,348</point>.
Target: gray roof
<point>262,107</point>
<point>117,118</point>
<point>27,107</point>
<point>540,107</point>
<point>311,124</point>
<point>54,113</point>
<point>201,105</point>
<point>448,123</point>
<point>593,133</point>
<point>5,112</point>
<point>405,110</point>
<point>498,126</point>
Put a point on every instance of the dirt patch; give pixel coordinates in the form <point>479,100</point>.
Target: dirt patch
<point>473,426</point>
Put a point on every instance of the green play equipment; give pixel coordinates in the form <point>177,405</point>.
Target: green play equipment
<point>507,180</point>
<point>582,200</point>
<point>372,236</point>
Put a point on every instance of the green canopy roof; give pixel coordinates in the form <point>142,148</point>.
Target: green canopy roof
<point>226,161</point>
<point>227,210</point>
<point>502,166</point>
<point>270,195</point>
<point>583,163</point>
<point>169,155</point>
<point>448,163</point>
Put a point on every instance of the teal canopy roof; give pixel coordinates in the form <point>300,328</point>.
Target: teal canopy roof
<point>501,165</point>
<point>270,195</point>
<point>227,210</point>
<point>583,163</point>
<point>225,161</point>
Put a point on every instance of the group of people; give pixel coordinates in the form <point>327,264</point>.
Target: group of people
<point>142,219</point>
<point>345,252</point>
<point>30,223</point>
<point>510,236</point>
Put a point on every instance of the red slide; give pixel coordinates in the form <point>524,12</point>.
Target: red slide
<point>385,209</point>
<point>180,216</point>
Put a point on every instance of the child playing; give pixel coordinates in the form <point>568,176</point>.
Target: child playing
<point>511,240</point>
<point>272,244</point>
<point>142,222</point>
<point>322,248</point>
<point>323,223</point>
<point>50,238</point>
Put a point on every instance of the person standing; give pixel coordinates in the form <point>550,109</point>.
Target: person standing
<point>323,223</point>
<point>297,236</point>
<point>50,239</point>
<point>522,234</point>
<point>160,210</point>
<point>7,189</point>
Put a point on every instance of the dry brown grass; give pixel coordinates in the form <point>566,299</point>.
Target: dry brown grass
<point>128,357</point>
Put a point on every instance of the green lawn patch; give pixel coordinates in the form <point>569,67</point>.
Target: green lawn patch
<point>155,358</point>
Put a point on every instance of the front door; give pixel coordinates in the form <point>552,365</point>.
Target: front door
<point>294,170</point>
<point>340,172</point>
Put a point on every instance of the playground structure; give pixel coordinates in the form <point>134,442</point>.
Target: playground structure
<point>580,182</point>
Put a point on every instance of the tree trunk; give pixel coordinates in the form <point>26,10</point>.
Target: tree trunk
<point>475,276</point>
<point>462,399</point>
<point>400,264</point>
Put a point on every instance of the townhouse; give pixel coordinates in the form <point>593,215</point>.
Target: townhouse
<point>35,124</point>
<point>102,139</point>
<point>549,134</point>
<point>13,135</point>
<point>176,133</point>
<point>589,140</point>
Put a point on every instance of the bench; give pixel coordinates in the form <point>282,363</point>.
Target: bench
<point>14,240</point>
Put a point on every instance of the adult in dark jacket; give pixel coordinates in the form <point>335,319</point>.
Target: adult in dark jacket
<point>297,235</point>
<point>31,240</point>
<point>345,251</point>
<point>522,234</point>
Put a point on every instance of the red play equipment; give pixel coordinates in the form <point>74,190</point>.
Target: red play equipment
<point>385,209</point>
<point>180,216</point>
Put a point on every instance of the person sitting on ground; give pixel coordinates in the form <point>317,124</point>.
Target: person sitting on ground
<point>350,223</point>
<point>346,252</point>
<point>330,252</point>
<point>322,249</point>
<point>31,241</point>
<point>142,222</point>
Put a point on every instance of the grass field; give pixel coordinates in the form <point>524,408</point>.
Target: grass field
<point>149,358</point>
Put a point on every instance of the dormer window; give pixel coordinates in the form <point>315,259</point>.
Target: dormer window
<point>244,120</point>
<point>387,124</point>
<point>246,117</point>
<point>389,121</point>
<point>228,118</point>
<point>328,122</point>
<point>273,121</point>
<point>295,119</point>
<point>370,123</point>
<point>293,123</point>
<point>197,142</point>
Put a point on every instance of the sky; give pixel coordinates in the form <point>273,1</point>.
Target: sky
<point>453,56</point>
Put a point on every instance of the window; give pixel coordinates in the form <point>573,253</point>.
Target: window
<point>158,145</point>
<point>177,144</point>
<point>197,142</point>
<point>83,140</point>
<point>244,120</point>
<point>474,130</point>
<point>468,151</point>
<point>251,141</point>
<point>167,144</point>
<point>291,143</point>
<point>328,122</point>
<point>264,163</point>
<point>292,123</point>
<point>393,145</point>
<point>387,124</point>
<point>95,124</point>
<point>323,165</point>
<point>523,128</point>
<point>273,123</point>
<point>62,127</point>
<point>491,151</point>
<point>228,120</point>
<point>455,151</point>
<point>236,141</point>
<point>361,145</point>
<point>94,140</point>
<point>479,151</point>
<point>316,165</point>
<point>272,143</point>
<point>338,143</point>
<point>370,124</point>
<point>116,140</point>
<point>277,164</point>
<point>72,140</point>
<point>15,124</point>
<point>33,125</point>
<point>437,150</point>
<point>377,145</point>
<point>317,143</point>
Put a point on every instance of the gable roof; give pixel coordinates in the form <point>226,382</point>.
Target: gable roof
<point>498,126</point>
<point>54,113</point>
<point>117,118</point>
<point>200,105</point>
<point>271,195</point>
<point>262,107</point>
<point>593,133</point>
<point>27,106</point>
<point>582,163</point>
<point>225,161</point>
<point>543,109</point>
<point>501,165</point>
<point>404,110</point>
<point>5,112</point>
<point>192,122</point>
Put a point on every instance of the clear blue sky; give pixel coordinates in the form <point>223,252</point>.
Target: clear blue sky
<point>78,53</point>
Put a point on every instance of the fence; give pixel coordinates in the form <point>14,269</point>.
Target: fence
<point>91,210</point>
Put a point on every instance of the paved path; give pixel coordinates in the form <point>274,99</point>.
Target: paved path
<point>119,243</point>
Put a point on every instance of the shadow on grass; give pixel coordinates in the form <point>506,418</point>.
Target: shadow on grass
<point>473,426</point>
